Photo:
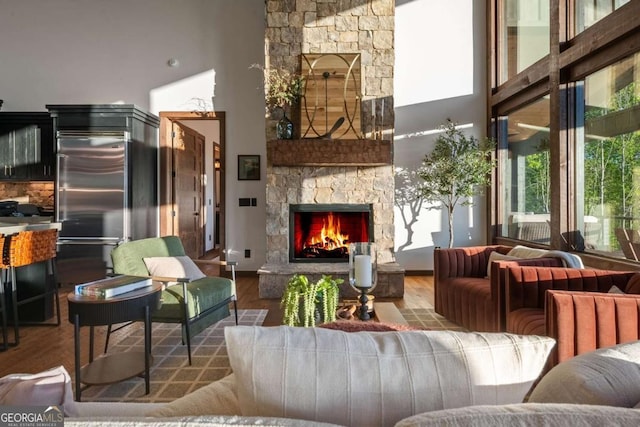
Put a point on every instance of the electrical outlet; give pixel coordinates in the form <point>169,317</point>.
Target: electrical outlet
<point>247,253</point>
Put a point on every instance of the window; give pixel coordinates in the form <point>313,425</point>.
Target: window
<point>610,149</point>
<point>588,12</point>
<point>524,35</point>
<point>566,113</point>
<point>526,173</point>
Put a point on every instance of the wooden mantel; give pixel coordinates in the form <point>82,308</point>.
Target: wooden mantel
<point>326,152</point>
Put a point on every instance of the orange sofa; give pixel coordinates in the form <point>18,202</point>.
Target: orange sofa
<point>464,293</point>
<point>573,306</point>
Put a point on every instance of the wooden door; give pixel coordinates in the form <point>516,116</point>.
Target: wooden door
<point>188,158</point>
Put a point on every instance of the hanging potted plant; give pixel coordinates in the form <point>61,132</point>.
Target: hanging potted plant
<point>305,303</point>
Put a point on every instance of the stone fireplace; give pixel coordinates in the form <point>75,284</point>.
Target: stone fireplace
<point>319,173</point>
<point>295,179</point>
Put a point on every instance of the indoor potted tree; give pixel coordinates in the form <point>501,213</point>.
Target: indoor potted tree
<point>304,303</point>
<point>458,168</point>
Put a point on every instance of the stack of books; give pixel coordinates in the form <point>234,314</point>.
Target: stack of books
<point>112,286</point>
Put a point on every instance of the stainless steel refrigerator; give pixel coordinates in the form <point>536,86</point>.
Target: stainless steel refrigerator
<point>92,189</point>
<point>106,184</point>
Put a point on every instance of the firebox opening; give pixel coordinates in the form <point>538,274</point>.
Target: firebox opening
<point>322,232</point>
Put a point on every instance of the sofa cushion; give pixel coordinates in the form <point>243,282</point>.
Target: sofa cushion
<point>526,414</point>
<point>47,388</point>
<point>607,376</point>
<point>633,285</point>
<point>217,398</point>
<point>173,266</point>
<point>527,321</point>
<point>377,378</point>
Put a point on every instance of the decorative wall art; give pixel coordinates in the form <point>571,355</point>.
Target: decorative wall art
<point>330,105</point>
<point>249,167</point>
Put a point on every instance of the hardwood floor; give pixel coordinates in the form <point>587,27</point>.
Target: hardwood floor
<point>44,347</point>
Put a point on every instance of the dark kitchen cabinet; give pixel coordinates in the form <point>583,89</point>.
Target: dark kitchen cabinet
<point>27,146</point>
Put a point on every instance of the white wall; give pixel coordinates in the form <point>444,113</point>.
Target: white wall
<point>116,51</point>
<point>98,51</point>
<point>439,74</point>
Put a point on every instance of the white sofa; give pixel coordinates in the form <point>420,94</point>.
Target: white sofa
<point>313,376</point>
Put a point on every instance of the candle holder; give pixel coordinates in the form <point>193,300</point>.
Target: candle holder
<point>363,273</point>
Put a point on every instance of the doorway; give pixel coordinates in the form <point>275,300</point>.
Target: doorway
<point>212,126</point>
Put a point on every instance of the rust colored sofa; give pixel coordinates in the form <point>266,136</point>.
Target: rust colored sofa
<point>463,291</point>
<point>573,306</point>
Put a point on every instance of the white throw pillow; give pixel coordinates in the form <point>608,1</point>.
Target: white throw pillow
<point>497,256</point>
<point>377,378</point>
<point>607,376</point>
<point>176,266</point>
<point>527,252</point>
<point>47,388</point>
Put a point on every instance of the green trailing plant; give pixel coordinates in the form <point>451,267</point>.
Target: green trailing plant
<point>458,168</point>
<point>303,300</point>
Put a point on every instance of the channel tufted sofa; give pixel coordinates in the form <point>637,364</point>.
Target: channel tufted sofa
<point>467,293</point>
<point>582,309</point>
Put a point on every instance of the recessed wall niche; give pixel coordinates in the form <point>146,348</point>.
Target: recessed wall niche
<point>331,106</point>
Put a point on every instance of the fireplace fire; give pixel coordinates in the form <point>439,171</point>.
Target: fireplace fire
<point>322,233</point>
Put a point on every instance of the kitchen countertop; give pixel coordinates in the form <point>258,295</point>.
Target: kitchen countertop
<point>16,227</point>
<point>25,219</point>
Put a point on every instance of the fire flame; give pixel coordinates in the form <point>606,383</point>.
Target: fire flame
<point>331,236</point>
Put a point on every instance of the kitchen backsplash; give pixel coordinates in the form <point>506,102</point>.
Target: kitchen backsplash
<point>37,193</point>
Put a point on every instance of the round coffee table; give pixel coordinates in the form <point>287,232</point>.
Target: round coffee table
<point>91,311</point>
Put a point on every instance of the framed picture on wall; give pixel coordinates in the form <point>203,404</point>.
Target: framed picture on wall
<point>249,167</point>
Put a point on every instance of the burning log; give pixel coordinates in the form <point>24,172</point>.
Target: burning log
<point>320,252</point>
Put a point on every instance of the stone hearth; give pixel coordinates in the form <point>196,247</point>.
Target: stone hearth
<point>274,277</point>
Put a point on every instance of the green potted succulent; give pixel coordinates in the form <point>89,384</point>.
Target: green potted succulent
<point>304,303</point>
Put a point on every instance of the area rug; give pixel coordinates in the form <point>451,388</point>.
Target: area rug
<point>171,375</point>
<point>427,318</point>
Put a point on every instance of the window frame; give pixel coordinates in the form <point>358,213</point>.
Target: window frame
<point>571,58</point>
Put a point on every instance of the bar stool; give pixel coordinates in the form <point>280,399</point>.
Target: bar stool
<point>25,248</point>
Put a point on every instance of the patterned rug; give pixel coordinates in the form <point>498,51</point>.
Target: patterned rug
<point>171,375</point>
<point>427,318</point>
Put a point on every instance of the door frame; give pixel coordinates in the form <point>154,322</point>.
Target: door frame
<point>167,205</point>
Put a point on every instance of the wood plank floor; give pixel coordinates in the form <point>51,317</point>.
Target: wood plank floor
<point>44,347</point>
